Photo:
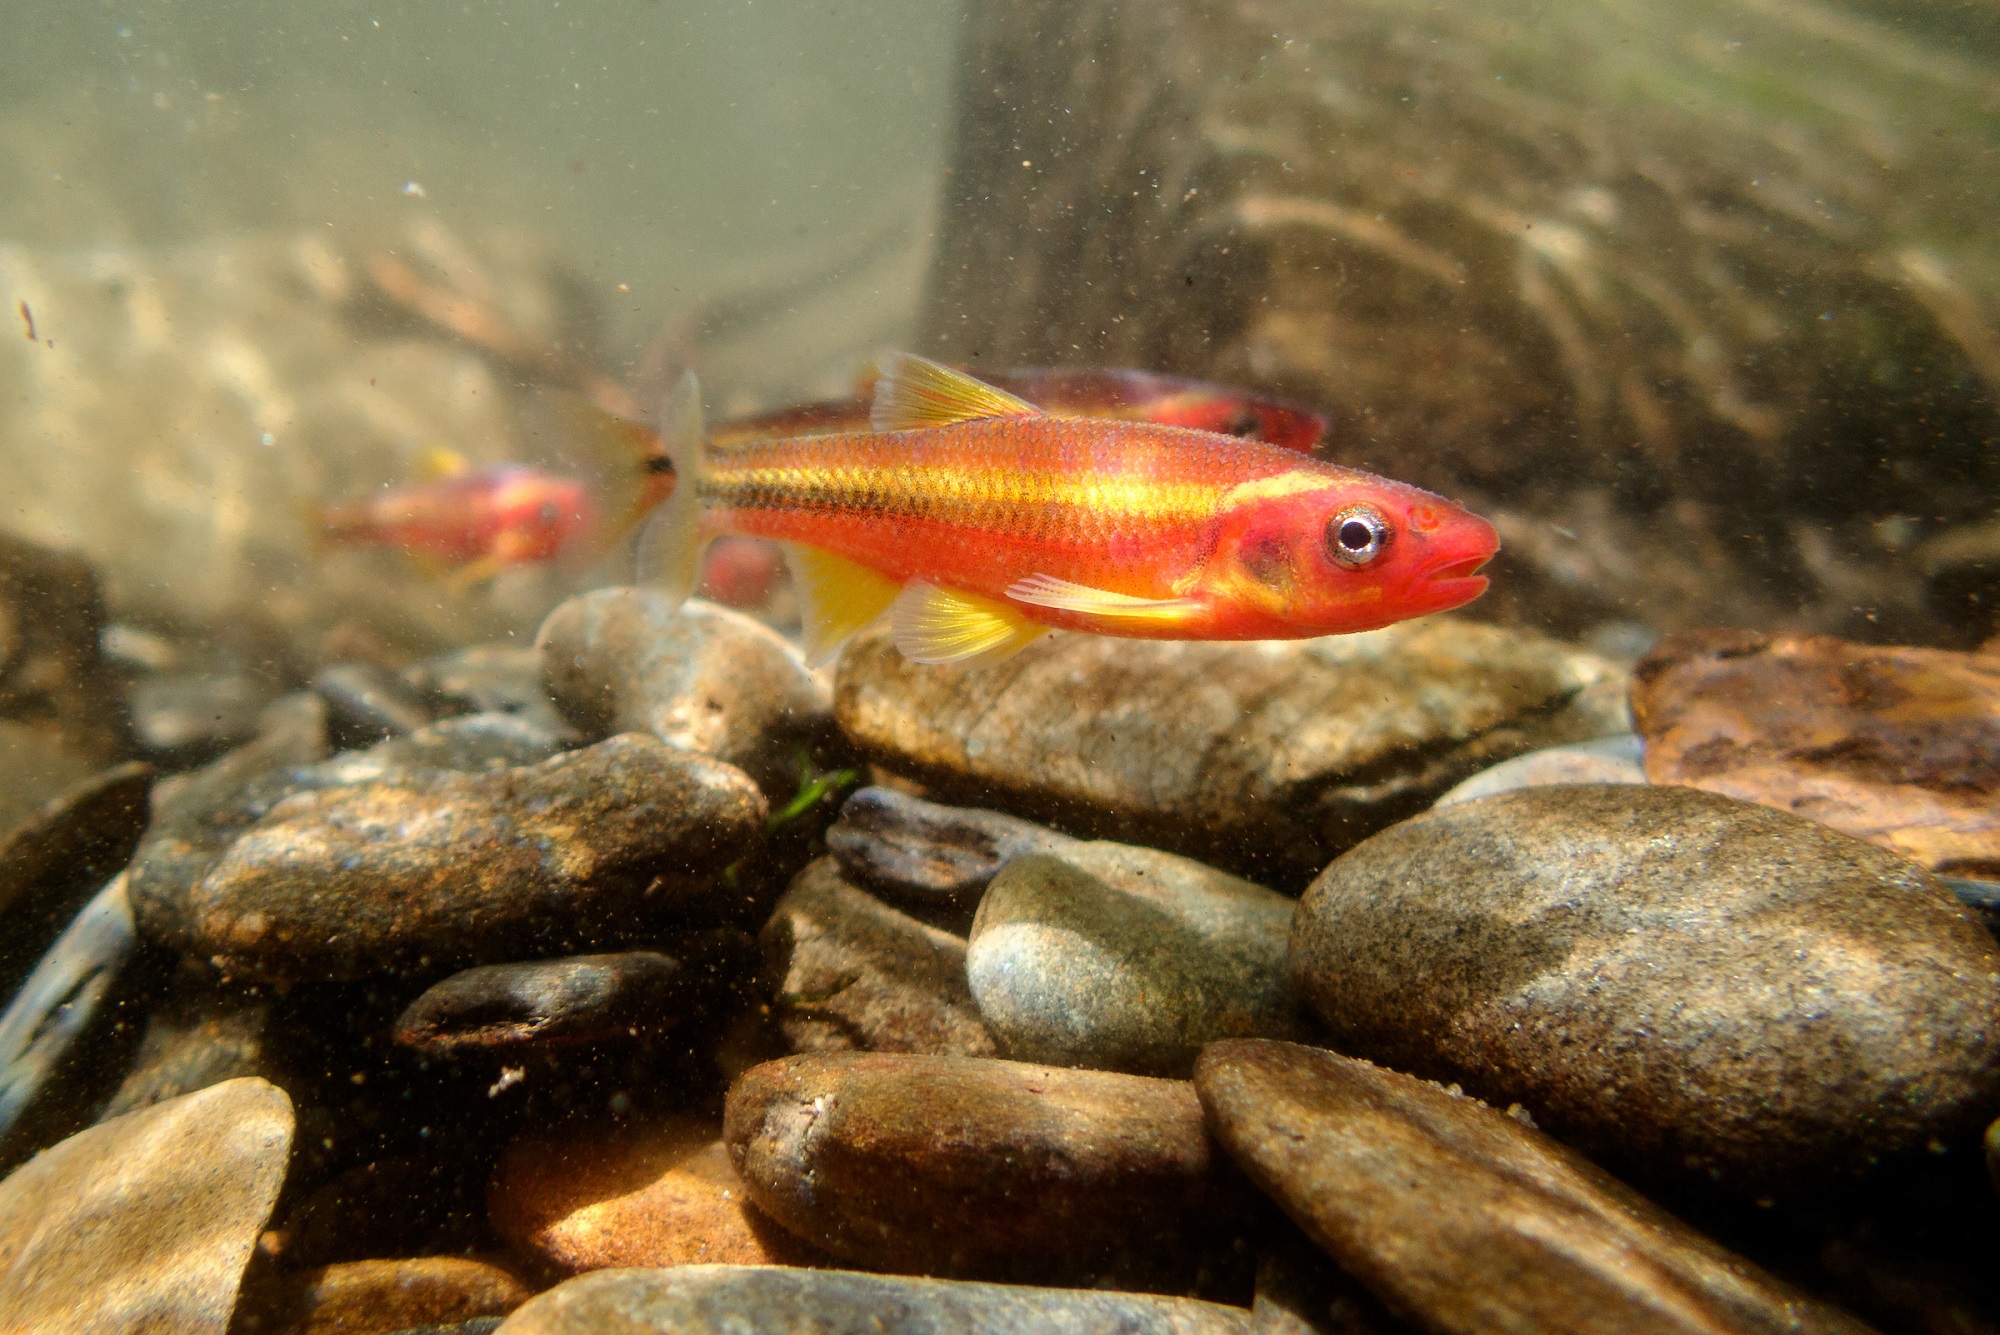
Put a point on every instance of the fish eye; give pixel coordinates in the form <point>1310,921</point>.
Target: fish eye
<point>1356,535</point>
<point>1242,422</point>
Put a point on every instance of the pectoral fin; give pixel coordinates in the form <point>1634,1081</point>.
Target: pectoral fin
<point>1063,596</point>
<point>934,625</point>
<point>912,393</point>
<point>837,597</point>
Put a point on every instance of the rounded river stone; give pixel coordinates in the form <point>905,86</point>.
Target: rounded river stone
<point>1678,981</point>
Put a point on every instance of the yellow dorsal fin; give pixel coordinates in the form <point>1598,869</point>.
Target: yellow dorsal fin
<point>912,393</point>
<point>1065,596</point>
<point>837,597</point>
<point>934,625</point>
<point>438,462</point>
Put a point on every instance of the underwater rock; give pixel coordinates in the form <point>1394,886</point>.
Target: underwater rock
<point>470,742</point>
<point>1461,1218</point>
<point>382,1295</point>
<point>428,868</point>
<point>715,1300</point>
<point>1685,984</point>
<point>196,1036</point>
<point>504,678</point>
<point>848,971</point>
<point>145,1222</point>
<point>700,676</point>
<point>1264,758</point>
<point>975,1167</point>
<point>1133,974</point>
<point>1898,745</point>
<point>1302,1292</point>
<point>501,1008</point>
<point>60,714</point>
<point>649,1193</point>
<point>400,1206</point>
<point>366,703</point>
<point>1962,578</point>
<point>922,851</point>
<point>1520,252</point>
<point>1606,760</point>
<point>59,858</point>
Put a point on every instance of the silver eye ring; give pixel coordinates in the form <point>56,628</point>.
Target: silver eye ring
<point>1357,535</point>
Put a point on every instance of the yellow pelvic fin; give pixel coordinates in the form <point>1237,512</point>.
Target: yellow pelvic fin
<point>912,393</point>
<point>1064,596</point>
<point>440,462</point>
<point>837,597</point>
<point>934,625</point>
<point>461,579</point>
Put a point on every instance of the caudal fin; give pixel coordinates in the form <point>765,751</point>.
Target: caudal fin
<point>670,548</point>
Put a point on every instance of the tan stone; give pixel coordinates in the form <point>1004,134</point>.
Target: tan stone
<point>365,1297</point>
<point>144,1223</point>
<point>655,1194</point>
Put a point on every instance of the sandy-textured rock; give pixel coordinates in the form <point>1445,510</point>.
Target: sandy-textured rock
<point>972,1167</point>
<point>1264,758</point>
<point>383,1296</point>
<point>926,852</point>
<point>1897,745</point>
<point>145,1222</point>
<point>1460,1218</point>
<point>500,1008</point>
<point>698,676</point>
<point>848,971</point>
<point>1606,760</point>
<point>1684,983</point>
<point>1129,969</point>
<point>721,1300</point>
<point>651,1193</point>
<point>435,867</point>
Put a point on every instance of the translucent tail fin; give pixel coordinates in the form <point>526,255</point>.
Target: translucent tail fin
<point>670,547</point>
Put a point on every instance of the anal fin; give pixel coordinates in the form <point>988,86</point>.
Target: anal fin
<point>1064,596</point>
<point>837,597</point>
<point>934,625</point>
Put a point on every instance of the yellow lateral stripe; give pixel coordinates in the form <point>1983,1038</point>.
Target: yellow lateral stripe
<point>982,496</point>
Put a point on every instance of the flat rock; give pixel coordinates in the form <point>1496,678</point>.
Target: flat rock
<point>1606,760</point>
<point>1132,968</point>
<point>1264,758</point>
<point>427,868</point>
<point>1681,982</point>
<point>145,1222</point>
<point>1460,1218</point>
<point>1900,746</point>
<point>720,1299</point>
<point>653,1193</point>
<point>579,999</point>
<point>973,1167</point>
<point>383,1295</point>
<point>927,852</point>
<point>698,676</point>
<point>848,971</point>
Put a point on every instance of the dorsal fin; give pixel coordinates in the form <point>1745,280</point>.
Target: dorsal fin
<point>912,393</point>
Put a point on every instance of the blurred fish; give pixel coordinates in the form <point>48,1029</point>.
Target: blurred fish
<point>978,522</point>
<point>1115,392</point>
<point>476,522</point>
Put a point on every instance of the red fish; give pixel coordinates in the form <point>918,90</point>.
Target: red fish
<point>479,521</point>
<point>978,522</point>
<point>1126,395</point>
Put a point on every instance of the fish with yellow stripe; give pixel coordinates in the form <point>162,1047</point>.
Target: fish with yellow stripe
<point>978,522</point>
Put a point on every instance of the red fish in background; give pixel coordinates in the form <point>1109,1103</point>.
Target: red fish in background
<point>1117,393</point>
<point>476,521</point>
<point>977,522</point>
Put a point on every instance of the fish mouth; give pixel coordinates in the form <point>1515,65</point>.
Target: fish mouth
<point>1458,581</point>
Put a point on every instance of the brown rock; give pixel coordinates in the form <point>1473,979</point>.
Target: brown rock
<point>965,1166</point>
<point>726,1300</point>
<point>373,1297</point>
<point>537,1003</point>
<point>145,1222</point>
<point>698,676</point>
<point>1265,759</point>
<point>53,682</point>
<point>848,972</point>
<point>54,861</point>
<point>658,1193</point>
<point>431,867</point>
<point>1462,1219</point>
<point>1685,983</point>
<point>1900,746</point>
